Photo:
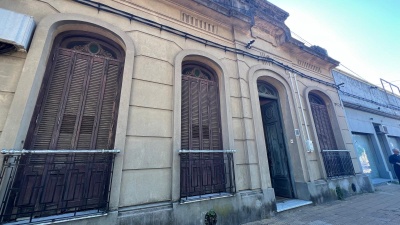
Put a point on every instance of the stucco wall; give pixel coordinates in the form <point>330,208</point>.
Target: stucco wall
<point>10,71</point>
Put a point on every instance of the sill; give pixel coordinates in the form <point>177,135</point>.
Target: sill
<point>340,177</point>
<point>67,217</point>
<point>206,197</point>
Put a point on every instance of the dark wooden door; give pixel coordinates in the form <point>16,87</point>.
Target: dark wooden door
<point>276,150</point>
<point>201,173</point>
<point>76,109</point>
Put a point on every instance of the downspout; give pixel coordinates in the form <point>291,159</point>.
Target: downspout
<point>309,143</point>
<point>301,127</point>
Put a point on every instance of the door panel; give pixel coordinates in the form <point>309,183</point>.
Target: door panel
<point>276,150</point>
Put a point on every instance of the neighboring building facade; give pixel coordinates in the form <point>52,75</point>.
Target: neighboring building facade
<point>373,115</point>
<point>204,119</point>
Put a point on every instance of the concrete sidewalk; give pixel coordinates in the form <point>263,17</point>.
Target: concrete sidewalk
<point>381,207</point>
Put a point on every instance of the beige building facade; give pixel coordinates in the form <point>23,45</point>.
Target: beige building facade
<point>213,107</point>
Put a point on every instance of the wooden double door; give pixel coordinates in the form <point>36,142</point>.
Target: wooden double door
<point>76,110</point>
<point>276,148</point>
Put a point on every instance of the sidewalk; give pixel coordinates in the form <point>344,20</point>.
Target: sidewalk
<point>381,207</point>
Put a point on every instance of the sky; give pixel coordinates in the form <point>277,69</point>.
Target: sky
<point>363,35</point>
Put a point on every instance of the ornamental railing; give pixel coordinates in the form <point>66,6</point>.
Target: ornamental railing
<point>39,186</point>
<point>206,174</point>
<point>337,163</point>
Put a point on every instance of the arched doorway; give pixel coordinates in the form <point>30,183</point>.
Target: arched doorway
<point>274,140</point>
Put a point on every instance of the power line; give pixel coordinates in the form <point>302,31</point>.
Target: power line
<point>354,73</point>
<point>304,40</point>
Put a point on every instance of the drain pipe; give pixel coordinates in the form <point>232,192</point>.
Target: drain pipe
<point>301,127</point>
<point>309,143</point>
<point>297,108</point>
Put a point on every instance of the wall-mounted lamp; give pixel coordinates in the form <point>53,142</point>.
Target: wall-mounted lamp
<point>340,85</point>
<point>248,46</point>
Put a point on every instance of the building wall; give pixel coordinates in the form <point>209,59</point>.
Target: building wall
<point>10,70</point>
<point>367,105</point>
<point>146,173</point>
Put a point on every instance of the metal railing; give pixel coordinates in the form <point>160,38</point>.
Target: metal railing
<point>337,163</point>
<point>206,174</point>
<point>46,185</point>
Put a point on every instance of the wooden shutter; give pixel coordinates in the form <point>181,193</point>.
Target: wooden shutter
<point>322,122</point>
<point>79,105</point>
<point>200,115</point>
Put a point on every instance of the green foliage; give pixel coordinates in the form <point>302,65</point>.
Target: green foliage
<point>339,193</point>
<point>211,218</point>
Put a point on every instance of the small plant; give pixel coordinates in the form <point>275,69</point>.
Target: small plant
<point>211,218</point>
<point>339,193</point>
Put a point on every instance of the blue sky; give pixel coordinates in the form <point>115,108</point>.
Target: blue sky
<point>364,35</point>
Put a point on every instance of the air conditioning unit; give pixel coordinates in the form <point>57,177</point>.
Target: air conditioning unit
<point>381,129</point>
<point>16,31</point>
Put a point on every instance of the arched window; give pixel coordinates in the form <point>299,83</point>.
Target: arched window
<point>265,90</point>
<point>337,163</point>
<point>77,106</point>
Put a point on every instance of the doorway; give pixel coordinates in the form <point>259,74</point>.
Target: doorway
<point>274,140</point>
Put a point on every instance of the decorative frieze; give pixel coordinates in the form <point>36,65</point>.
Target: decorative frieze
<point>199,23</point>
<point>309,66</point>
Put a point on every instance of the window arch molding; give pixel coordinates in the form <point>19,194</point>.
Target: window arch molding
<point>221,74</point>
<point>33,72</point>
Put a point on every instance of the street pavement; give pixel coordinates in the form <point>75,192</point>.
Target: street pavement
<point>380,207</point>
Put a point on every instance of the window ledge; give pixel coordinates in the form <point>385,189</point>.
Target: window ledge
<point>200,198</point>
<point>67,217</point>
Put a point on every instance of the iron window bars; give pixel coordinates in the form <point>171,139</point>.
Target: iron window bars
<point>47,185</point>
<point>337,163</point>
<point>206,174</point>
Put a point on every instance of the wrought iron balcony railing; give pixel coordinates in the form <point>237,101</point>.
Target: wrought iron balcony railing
<point>206,174</point>
<point>337,163</point>
<point>48,185</point>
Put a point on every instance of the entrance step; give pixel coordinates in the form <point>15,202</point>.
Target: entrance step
<point>379,181</point>
<point>286,204</point>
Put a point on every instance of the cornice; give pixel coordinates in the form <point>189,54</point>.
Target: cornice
<point>268,18</point>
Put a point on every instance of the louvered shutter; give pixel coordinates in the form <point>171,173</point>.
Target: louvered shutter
<point>200,122</point>
<point>79,104</point>
<point>323,126</point>
<point>50,107</point>
<point>185,113</point>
